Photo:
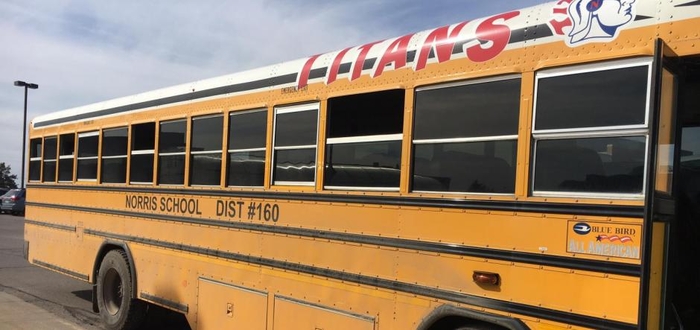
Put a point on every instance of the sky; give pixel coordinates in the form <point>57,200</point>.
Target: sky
<point>81,52</point>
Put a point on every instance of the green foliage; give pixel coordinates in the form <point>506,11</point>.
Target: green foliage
<point>7,179</point>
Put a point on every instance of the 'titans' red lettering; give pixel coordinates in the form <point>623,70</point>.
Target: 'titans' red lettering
<point>395,53</point>
<point>360,61</point>
<point>304,74</point>
<point>438,41</point>
<point>491,38</point>
<point>333,71</point>
<point>497,34</point>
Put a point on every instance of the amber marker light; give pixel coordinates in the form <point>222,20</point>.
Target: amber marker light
<point>486,278</point>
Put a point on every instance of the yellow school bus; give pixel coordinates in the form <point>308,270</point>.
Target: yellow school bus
<point>536,169</point>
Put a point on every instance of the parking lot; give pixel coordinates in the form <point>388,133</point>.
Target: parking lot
<point>35,298</point>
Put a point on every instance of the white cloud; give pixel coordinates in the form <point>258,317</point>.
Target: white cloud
<point>80,52</point>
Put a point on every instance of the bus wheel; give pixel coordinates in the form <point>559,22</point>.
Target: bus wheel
<point>479,326</point>
<point>114,291</point>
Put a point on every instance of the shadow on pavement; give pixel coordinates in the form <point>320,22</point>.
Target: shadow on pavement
<point>160,318</point>
<point>157,318</point>
<point>83,294</point>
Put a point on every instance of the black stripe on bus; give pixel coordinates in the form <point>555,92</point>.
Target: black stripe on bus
<point>50,225</point>
<point>689,4</point>
<point>519,35</point>
<point>606,267</point>
<point>242,87</point>
<point>623,211</point>
<point>60,269</point>
<point>326,308</point>
<point>165,302</point>
<point>510,307</point>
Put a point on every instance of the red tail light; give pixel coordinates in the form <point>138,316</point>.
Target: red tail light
<point>14,198</point>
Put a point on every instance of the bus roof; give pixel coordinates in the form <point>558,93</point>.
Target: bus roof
<point>478,40</point>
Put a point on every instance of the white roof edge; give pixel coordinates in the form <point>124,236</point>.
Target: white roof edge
<point>539,15</point>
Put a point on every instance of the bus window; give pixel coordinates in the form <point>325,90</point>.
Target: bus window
<point>364,140</point>
<point>465,137</point>
<point>114,149</point>
<point>172,141</point>
<point>608,98</point>
<point>35,159</point>
<point>590,130</point>
<point>50,145</point>
<point>605,165</point>
<point>66,152</point>
<point>205,151</point>
<point>296,132</point>
<point>246,148</point>
<point>142,145</point>
<point>87,156</point>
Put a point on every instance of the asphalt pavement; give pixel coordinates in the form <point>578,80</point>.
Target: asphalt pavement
<point>15,313</point>
<point>32,297</point>
<point>35,298</point>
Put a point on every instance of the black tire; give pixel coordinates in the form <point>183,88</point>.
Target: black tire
<point>114,291</point>
<point>479,326</point>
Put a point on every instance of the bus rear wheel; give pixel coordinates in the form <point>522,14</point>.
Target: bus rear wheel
<point>114,291</point>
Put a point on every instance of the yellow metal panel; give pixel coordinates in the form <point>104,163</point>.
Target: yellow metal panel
<point>321,145</point>
<point>224,148</point>
<point>188,148</point>
<point>268,144</point>
<point>656,278</point>
<point>407,145</point>
<point>222,306</point>
<point>290,315</point>
<point>522,176</point>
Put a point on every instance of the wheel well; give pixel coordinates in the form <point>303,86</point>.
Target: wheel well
<point>458,322</point>
<point>104,249</point>
<point>452,317</point>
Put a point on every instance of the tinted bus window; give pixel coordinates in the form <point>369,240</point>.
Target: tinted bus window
<point>50,155</point>
<point>364,140</point>
<point>295,145</point>
<point>142,149</point>
<point>466,137</point>
<point>172,142</point>
<point>593,99</point>
<point>87,155</point>
<point>66,154</point>
<point>205,161</point>
<point>246,154</point>
<point>114,151</point>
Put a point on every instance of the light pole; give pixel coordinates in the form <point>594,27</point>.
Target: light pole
<point>26,86</point>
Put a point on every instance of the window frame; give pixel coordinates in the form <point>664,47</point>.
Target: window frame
<point>136,152</point>
<point>285,109</point>
<point>71,156</point>
<point>588,68</point>
<point>96,157</point>
<point>44,160</point>
<point>36,158</point>
<point>360,139</point>
<point>183,153</point>
<point>620,131</point>
<point>490,138</point>
<point>125,156</point>
<point>191,153</point>
<point>229,151</point>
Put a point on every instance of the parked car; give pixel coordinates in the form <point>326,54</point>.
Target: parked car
<point>6,192</point>
<point>13,201</point>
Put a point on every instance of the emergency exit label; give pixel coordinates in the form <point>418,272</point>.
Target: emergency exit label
<point>604,239</point>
